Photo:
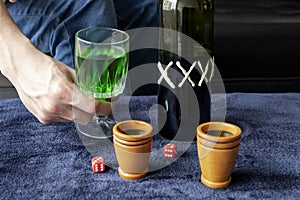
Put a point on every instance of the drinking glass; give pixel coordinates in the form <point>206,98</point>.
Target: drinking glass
<point>101,63</point>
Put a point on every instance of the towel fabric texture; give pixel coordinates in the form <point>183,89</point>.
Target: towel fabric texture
<point>51,162</point>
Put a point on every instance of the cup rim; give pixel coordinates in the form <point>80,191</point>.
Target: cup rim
<point>208,150</point>
<point>218,145</point>
<point>234,129</point>
<point>136,124</point>
<point>101,43</point>
<point>132,143</point>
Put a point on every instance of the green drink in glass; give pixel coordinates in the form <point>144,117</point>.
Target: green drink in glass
<point>102,74</point>
<point>101,63</point>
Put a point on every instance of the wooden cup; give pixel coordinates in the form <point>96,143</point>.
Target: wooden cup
<point>132,151</point>
<point>217,155</point>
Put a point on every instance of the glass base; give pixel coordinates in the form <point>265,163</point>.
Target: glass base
<point>99,128</point>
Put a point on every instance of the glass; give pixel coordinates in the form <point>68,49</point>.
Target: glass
<point>101,63</point>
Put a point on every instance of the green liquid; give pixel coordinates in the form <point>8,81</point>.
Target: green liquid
<point>102,73</point>
<point>219,133</point>
<point>133,132</point>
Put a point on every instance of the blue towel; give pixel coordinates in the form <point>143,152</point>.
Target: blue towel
<point>52,161</point>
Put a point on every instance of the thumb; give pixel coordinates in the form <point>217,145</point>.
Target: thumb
<point>72,74</point>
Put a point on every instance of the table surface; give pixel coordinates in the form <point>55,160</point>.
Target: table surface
<point>54,161</point>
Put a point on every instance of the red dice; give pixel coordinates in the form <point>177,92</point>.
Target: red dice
<point>170,150</point>
<point>98,164</point>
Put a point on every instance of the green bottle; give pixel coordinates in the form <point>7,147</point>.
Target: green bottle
<point>195,19</point>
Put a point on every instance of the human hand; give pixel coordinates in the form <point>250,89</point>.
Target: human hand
<point>12,1</point>
<point>46,87</point>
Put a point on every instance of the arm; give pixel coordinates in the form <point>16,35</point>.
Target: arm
<point>45,86</point>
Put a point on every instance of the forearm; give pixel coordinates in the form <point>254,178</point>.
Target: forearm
<point>8,27</point>
<point>14,44</point>
<point>45,85</point>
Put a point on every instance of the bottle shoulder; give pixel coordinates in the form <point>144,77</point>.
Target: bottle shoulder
<point>188,4</point>
<point>181,4</point>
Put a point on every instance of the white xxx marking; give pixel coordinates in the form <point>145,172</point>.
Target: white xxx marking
<point>204,74</point>
<point>184,73</point>
<point>212,68</point>
<point>164,74</point>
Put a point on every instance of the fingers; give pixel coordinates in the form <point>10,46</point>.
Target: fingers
<point>53,96</point>
<point>81,117</point>
<point>80,111</point>
<point>64,113</point>
<point>51,109</point>
<point>90,105</point>
<point>113,98</point>
<point>12,1</point>
<point>72,115</point>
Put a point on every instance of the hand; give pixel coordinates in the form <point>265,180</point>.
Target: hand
<point>46,87</point>
<point>12,1</point>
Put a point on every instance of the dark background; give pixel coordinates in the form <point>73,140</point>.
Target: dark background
<point>257,45</point>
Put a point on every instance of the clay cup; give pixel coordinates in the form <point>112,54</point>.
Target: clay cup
<point>217,153</point>
<point>133,145</point>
